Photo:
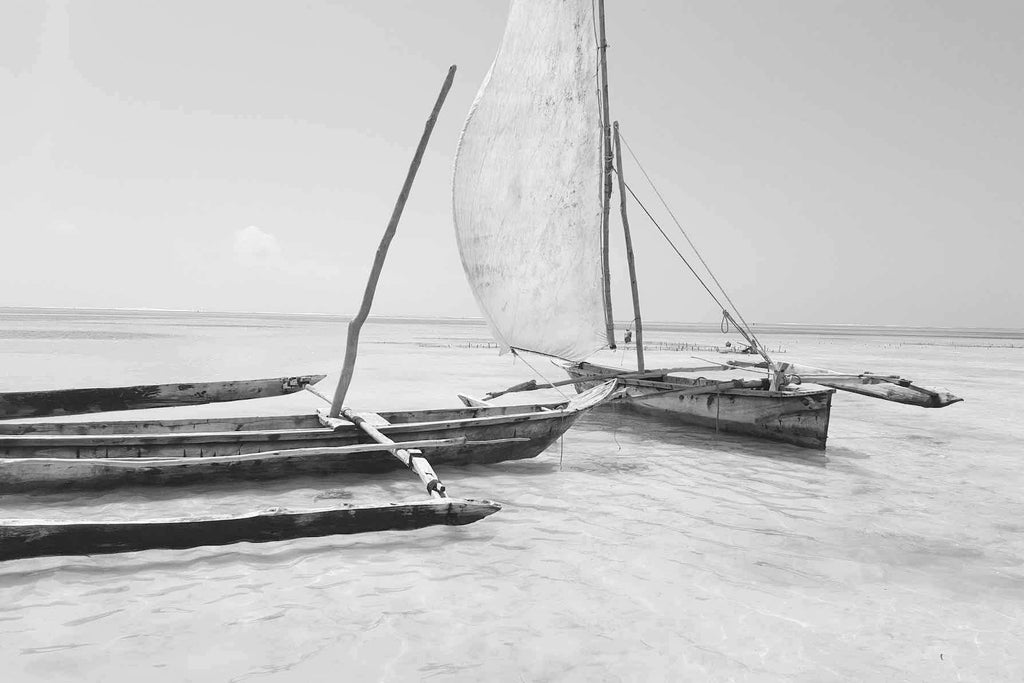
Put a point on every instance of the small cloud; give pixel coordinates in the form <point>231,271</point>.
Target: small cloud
<point>64,228</point>
<point>253,246</point>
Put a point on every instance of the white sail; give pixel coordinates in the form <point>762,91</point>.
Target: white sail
<point>527,184</point>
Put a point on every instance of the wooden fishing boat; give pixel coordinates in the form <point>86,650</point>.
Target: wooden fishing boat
<point>798,416</point>
<point>26,404</point>
<point>532,194</point>
<point>36,457</point>
<point>40,457</point>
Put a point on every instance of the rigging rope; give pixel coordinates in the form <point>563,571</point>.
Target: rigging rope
<point>515,353</point>
<point>672,244</point>
<point>747,328</point>
<point>744,328</point>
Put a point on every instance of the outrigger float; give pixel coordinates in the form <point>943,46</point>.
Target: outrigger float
<point>40,457</point>
<point>57,402</point>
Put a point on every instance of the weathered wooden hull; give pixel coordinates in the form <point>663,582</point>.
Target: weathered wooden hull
<point>26,404</point>
<point>479,435</point>
<point>795,417</point>
<point>32,538</point>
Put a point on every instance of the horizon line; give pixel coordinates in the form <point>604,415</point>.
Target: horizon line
<point>481,319</point>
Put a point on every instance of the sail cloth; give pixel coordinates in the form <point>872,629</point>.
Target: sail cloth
<point>527,184</point>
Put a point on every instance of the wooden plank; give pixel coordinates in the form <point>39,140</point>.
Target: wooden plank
<point>34,475</point>
<point>603,375</point>
<point>177,438</point>
<point>27,404</point>
<point>695,389</point>
<point>352,340</point>
<point>32,538</point>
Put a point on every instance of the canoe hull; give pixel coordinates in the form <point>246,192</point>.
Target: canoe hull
<point>28,404</point>
<point>484,435</point>
<point>24,539</point>
<point>795,417</point>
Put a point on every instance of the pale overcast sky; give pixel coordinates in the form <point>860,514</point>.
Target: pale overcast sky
<point>838,162</point>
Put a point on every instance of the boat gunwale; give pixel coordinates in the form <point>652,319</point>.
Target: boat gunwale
<point>684,383</point>
<point>284,435</point>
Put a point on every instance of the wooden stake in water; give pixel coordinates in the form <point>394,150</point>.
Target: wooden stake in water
<point>352,342</point>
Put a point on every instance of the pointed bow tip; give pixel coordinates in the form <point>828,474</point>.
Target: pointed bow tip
<point>462,511</point>
<point>944,398</point>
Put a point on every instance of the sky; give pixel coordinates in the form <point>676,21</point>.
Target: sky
<point>836,162</point>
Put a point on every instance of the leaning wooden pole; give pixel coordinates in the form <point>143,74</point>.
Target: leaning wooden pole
<point>606,176</point>
<point>637,323</point>
<point>352,342</point>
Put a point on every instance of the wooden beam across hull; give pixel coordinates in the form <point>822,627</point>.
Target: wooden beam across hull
<point>29,404</point>
<point>21,539</point>
<point>797,417</point>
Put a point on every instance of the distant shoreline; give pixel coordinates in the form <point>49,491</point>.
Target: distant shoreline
<point>827,329</point>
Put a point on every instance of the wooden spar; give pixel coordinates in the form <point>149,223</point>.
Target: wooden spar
<point>606,175</point>
<point>410,458</point>
<point>532,385</point>
<point>352,342</point>
<point>637,323</point>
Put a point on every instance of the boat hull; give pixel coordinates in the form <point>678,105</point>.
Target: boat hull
<point>795,417</point>
<point>31,538</point>
<point>28,404</point>
<point>76,451</point>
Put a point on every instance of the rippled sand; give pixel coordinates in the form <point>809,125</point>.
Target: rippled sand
<point>635,550</point>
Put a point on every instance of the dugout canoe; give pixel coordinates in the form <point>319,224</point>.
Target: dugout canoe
<point>52,403</point>
<point>20,539</point>
<point>37,457</point>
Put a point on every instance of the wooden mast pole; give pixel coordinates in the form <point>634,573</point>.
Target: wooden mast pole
<point>638,325</point>
<point>352,342</point>
<point>606,149</point>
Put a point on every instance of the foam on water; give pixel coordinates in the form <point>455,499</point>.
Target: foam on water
<point>636,549</point>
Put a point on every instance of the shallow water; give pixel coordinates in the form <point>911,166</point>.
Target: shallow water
<point>635,549</point>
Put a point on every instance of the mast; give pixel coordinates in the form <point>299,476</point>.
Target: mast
<point>606,149</point>
<point>629,255</point>
<point>352,342</point>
